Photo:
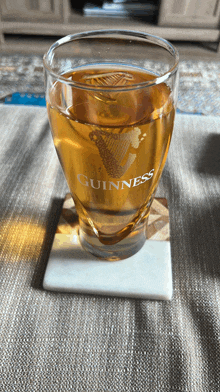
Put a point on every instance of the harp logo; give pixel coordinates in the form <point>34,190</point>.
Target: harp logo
<point>108,79</point>
<point>114,150</point>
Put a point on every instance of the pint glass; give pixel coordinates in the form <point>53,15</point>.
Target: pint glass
<point>111,98</point>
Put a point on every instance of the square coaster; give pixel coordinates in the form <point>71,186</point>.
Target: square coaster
<point>147,274</point>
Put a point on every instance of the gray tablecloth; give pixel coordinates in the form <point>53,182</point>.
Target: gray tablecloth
<point>68,342</point>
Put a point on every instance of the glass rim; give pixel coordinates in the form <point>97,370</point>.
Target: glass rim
<point>72,37</point>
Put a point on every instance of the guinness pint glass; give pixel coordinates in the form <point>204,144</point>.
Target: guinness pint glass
<point>111,98</point>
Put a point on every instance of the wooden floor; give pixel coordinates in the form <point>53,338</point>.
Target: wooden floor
<point>198,51</point>
<point>39,45</point>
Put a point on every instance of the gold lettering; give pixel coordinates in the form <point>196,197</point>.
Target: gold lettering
<point>137,181</point>
<point>126,183</point>
<point>92,184</point>
<point>104,185</point>
<point>147,176</point>
<point>86,178</point>
<point>113,184</point>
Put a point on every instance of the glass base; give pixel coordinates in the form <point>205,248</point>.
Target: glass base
<point>119,251</point>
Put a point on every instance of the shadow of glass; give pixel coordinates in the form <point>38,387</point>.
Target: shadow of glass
<point>201,228</point>
<point>209,162</point>
<point>76,252</point>
<point>52,221</point>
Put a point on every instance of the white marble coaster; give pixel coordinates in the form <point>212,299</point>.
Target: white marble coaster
<point>147,274</point>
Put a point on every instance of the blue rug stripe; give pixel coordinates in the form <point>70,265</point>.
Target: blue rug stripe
<point>39,100</point>
<point>25,99</point>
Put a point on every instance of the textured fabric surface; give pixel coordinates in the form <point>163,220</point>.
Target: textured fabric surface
<point>66,342</point>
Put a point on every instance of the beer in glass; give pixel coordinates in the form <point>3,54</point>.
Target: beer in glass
<point>111,98</point>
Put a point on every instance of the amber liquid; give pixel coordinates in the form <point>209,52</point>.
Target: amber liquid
<point>112,146</point>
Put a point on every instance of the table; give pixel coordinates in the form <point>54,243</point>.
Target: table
<point>67,342</point>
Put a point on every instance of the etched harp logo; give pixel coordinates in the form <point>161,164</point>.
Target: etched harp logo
<point>108,79</point>
<point>113,148</point>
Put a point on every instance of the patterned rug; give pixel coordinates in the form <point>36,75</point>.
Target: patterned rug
<point>22,82</point>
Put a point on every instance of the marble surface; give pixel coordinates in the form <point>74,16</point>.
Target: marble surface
<point>147,274</point>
